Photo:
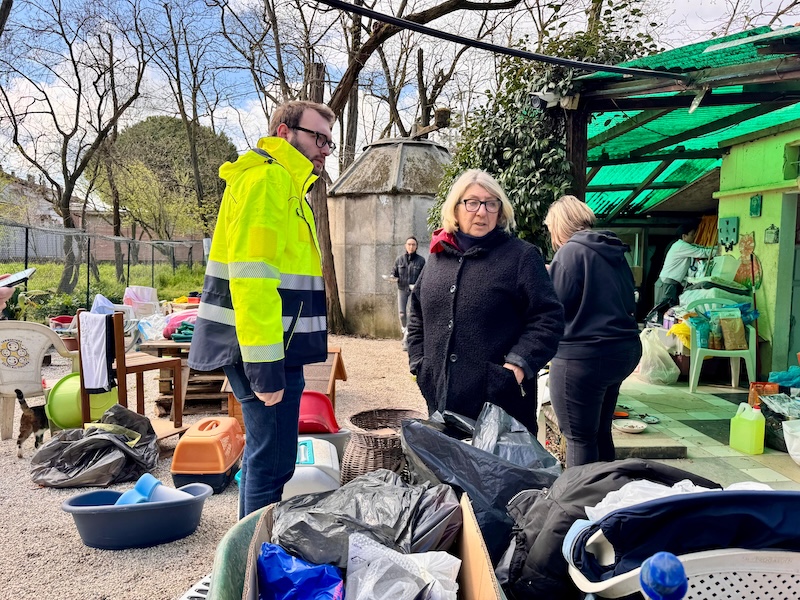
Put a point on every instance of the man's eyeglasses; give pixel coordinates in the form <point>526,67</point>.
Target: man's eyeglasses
<point>474,205</point>
<point>321,139</point>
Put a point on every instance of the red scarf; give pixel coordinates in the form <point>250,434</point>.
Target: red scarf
<point>440,237</point>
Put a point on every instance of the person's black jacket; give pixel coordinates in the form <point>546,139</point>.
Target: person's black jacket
<point>407,268</point>
<point>538,569</point>
<point>473,311</point>
<point>595,285</point>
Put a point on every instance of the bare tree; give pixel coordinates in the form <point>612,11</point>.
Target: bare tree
<point>5,11</point>
<point>744,14</point>
<point>182,50</point>
<point>68,73</point>
<point>380,34</point>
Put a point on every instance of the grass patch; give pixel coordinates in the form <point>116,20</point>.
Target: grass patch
<point>41,301</point>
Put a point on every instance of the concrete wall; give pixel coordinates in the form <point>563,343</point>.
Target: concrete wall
<point>368,232</point>
<point>766,166</point>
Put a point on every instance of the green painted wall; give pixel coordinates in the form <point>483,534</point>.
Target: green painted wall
<point>766,166</point>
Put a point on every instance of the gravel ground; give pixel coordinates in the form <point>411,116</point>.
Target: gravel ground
<point>45,557</point>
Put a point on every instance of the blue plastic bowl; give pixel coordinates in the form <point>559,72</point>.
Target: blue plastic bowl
<point>102,524</point>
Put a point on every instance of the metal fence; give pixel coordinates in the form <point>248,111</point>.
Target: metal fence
<point>101,261</point>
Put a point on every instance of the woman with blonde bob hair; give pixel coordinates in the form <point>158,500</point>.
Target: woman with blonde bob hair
<point>484,316</point>
<point>600,347</point>
<point>505,219</point>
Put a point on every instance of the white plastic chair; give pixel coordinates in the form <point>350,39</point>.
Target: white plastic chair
<point>715,574</point>
<point>143,300</point>
<point>22,349</point>
<point>698,354</point>
<point>131,324</point>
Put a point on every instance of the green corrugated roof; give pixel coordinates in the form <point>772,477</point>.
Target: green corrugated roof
<point>670,124</point>
<point>664,134</point>
<point>694,57</point>
<point>684,171</point>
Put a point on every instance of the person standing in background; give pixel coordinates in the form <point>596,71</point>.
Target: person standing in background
<point>406,270</point>
<point>601,346</point>
<point>672,278</point>
<point>262,315</point>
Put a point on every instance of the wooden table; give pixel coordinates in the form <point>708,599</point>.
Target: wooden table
<point>199,386</point>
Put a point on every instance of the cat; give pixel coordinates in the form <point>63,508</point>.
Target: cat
<point>33,422</point>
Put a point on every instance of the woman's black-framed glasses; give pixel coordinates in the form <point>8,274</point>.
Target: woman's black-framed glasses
<point>321,139</point>
<point>474,205</point>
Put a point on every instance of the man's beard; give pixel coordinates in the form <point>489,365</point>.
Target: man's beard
<point>296,146</point>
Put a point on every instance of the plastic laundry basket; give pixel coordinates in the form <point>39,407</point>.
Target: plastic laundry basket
<point>63,406</point>
<point>375,442</point>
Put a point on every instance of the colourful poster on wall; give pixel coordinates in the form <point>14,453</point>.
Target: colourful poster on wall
<point>745,273</point>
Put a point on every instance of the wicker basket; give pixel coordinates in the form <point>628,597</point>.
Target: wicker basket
<point>375,442</point>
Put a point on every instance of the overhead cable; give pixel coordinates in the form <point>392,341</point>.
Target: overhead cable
<point>555,60</point>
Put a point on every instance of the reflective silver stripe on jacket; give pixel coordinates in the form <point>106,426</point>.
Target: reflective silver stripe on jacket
<point>312,283</point>
<point>253,270</point>
<point>306,324</point>
<point>218,314</point>
<point>217,269</point>
<point>256,354</point>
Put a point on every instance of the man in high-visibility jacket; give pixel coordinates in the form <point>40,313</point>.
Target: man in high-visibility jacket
<point>262,314</point>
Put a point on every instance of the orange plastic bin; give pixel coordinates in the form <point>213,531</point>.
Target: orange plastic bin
<point>208,452</point>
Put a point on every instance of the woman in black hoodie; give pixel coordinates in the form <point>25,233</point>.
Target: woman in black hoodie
<point>601,346</point>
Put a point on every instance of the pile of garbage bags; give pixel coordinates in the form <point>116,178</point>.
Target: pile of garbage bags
<point>120,447</point>
<point>389,536</point>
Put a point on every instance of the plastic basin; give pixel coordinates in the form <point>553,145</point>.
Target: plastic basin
<point>103,524</point>
<point>60,322</point>
<point>63,406</point>
<point>316,414</point>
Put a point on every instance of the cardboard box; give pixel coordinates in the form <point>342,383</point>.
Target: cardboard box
<point>476,580</point>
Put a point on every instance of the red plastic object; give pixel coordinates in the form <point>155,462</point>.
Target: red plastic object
<point>316,414</point>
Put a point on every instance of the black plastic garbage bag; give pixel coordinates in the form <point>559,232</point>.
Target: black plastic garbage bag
<point>121,449</point>
<point>403,517</point>
<point>773,429</point>
<point>498,433</point>
<point>489,480</point>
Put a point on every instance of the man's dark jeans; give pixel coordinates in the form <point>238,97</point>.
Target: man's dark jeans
<point>270,450</point>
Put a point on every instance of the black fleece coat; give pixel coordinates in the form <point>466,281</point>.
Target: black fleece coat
<point>538,569</point>
<point>473,311</point>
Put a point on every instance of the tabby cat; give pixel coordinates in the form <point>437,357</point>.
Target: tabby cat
<point>33,422</point>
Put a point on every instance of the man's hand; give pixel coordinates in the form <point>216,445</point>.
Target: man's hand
<point>5,292</point>
<point>519,374</point>
<point>270,398</point>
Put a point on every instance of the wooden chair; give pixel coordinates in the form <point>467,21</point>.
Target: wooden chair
<point>23,345</point>
<point>137,363</point>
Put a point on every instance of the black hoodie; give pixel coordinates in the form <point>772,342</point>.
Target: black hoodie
<point>595,284</point>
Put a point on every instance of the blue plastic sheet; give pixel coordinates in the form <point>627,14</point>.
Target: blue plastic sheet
<point>790,378</point>
<point>282,576</point>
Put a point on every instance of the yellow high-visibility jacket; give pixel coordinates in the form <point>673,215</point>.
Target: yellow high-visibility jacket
<point>263,299</point>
